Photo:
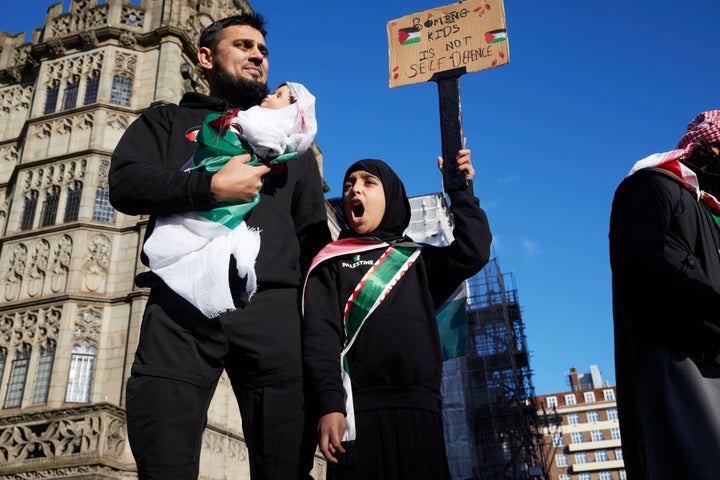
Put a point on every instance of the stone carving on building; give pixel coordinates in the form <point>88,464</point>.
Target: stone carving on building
<point>97,262</point>
<point>125,64</point>
<point>89,39</point>
<point>87,327</point>
<point>92,471</point>
<point>118,121</point>
<point>132,16</point>
<point>127,39</point>
<point>22,59</point>
<point>49,327</point>
<point>75,171</point>
<point>103,171</point>
<point>82,65</point>
<point>193,27</point>
<point>16,98</point>
<point>14,108</point>
<point>60,266</point>
<point>80,18</point>
<point>16,270</point>
<point>10,153</point>
<point>6,335</point>
<point>221,8</point>
<point>38,267</point>
<point>73,126</point>
<point>51,442</point>
<point>55,47</point>
<point>24,330</point>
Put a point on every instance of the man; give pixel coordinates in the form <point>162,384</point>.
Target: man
<point>664,240</point>
<point>181,353</point>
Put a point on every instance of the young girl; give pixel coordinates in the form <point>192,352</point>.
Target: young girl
<point>191,252</point>
<point>371,350</point>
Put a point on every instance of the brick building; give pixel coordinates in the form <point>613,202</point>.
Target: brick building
<point>580,430</point>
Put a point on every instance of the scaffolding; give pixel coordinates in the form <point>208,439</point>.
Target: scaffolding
<point>489,410</point>
<point>500,396</point>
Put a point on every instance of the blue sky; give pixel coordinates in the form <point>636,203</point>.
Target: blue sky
<point>591,87</point>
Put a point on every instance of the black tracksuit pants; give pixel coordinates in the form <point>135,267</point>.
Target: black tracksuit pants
<point>179,359</point>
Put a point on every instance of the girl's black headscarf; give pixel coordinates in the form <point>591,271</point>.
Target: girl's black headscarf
<point>397,207</point>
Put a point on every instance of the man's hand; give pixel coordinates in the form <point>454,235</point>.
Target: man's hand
<point>237,181</point>
<point>331,429</point>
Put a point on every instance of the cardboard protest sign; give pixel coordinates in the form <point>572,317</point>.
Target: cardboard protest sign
<point>468,36</point>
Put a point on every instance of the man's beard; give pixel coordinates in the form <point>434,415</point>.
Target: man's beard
<point>240,92</point>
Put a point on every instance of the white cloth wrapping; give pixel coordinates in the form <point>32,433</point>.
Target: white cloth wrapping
<point>274,132</point>
<point>191,255</point>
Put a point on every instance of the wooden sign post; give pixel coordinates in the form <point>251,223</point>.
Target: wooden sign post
<point>440,45</point>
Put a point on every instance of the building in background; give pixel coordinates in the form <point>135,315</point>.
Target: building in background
<point>580,430</point>
<point>69,310</point>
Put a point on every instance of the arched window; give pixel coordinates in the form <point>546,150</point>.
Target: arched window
<point>72,206</point>
<point>82,365</point>
<point>41,386</point>
<point>103,211</point>
<point>121,89</point>
<point>28,216</point>
<point>50,207</point>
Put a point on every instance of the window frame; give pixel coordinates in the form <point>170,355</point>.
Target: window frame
<point>52,94</point>
<point>70,94</point>
<point>121,91</point>
<point>19,368</point>
<point>81,373</point>
<point>43,376</point>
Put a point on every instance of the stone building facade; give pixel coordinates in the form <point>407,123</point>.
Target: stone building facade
<point>69,311</point>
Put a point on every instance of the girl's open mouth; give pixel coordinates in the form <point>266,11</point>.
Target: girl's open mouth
<point>357,210</point>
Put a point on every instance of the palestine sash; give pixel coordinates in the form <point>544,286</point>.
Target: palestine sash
<point>365,298</point>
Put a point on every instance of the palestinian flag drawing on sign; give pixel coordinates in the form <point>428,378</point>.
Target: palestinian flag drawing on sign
<point>409,35</point>
<point>495,36</point>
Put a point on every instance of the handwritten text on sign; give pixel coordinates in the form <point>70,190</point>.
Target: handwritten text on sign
<point>470,34</point>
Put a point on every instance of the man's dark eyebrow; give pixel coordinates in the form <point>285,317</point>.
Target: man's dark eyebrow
<point>249,41</point>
